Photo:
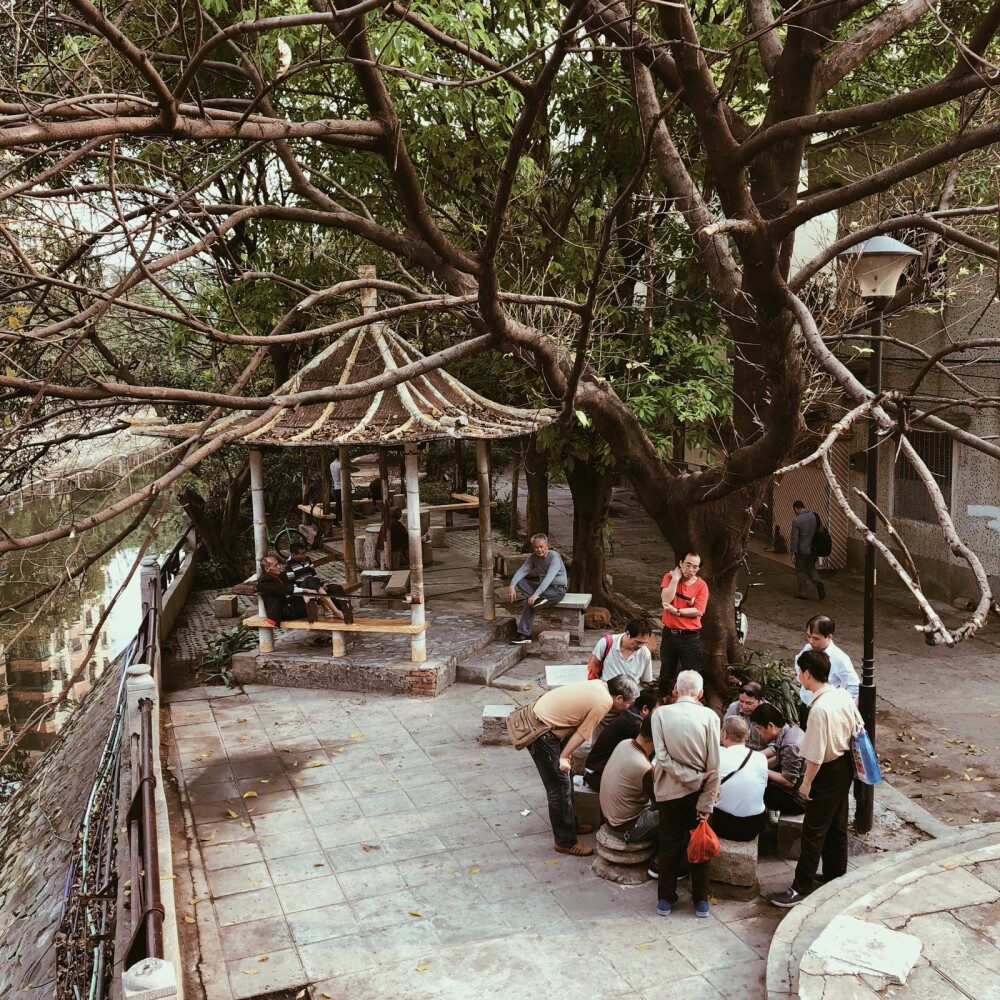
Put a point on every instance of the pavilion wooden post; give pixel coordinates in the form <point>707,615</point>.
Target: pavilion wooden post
<point>418,644</point>
<point>324,486</point>
<point>265,636</point>
<point>383,474</point>
<point>347,516</point>
<point>485,536</point>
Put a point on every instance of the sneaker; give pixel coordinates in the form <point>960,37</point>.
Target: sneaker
<point>653,871</point>
<point>821,590</point>
<point>701,908</point>
<point>787,899</point>
<point>663,908</point>
<point>584,828</point>
<point>578,850</point>
<point>773,815</point>
<point>540,603</point>
<point>520,640</point>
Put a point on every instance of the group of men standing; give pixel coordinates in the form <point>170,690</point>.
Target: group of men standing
<point>663,761</point>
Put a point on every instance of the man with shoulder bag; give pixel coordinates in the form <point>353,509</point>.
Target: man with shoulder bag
<point>551,728</point>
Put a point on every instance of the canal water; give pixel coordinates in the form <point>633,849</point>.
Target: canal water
<point>43,647</point>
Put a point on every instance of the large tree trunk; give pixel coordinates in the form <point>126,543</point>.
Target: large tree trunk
<point>591,499</point>
<point>221,545</point>
<point>718,532</point>
<point>536,482</point>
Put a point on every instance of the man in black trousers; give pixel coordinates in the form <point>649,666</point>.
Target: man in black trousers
<point>829,773</point>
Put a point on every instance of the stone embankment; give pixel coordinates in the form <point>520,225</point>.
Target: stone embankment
<point>38,829</point>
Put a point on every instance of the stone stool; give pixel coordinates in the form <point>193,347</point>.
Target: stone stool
<point>552,645</point>
<point>789,836</point>
<point>495,724</point>
<point>733,870</point>
<point>586,803</point>
<point>620,861</point>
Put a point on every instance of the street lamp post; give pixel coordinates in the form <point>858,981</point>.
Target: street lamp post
<point>877,265</point>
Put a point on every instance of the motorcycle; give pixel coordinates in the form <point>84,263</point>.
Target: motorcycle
<point>742,625</point>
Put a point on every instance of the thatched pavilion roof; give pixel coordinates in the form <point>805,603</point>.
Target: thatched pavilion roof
<point>428,407</point>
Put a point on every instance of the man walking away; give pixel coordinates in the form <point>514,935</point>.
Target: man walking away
<point>829,773</point>
<point>572,711</point>
<point>684,597</point>
<point>800,545</point>
<point>627,790</point>
<point>686,784</point>
<point>739,812</point>
<point>547,564</point>
<point>782,745</point>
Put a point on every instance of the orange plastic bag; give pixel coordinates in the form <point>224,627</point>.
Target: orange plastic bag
<point>703,845</point>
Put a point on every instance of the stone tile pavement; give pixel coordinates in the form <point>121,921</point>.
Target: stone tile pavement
<point>367,846</point>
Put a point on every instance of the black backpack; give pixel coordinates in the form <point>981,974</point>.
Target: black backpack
<point>822,544</point>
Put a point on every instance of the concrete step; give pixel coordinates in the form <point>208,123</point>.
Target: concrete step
<point>494,661</point>
<point>856,894</point>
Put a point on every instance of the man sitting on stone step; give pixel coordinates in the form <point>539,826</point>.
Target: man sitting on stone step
<point>782,745</point>
<point>572,711</point>
<point>547,565</point>
<point>627,802</point>
<point>739,810</point>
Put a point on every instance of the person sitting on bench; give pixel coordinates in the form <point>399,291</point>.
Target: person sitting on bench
<point>284,599</point>
<point>548,566</point>
<point>739,810</point>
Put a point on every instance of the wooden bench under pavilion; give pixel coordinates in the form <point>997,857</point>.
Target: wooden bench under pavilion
<point>428,407</point>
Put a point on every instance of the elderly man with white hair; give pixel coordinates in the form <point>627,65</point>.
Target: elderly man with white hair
<point>686,783</point>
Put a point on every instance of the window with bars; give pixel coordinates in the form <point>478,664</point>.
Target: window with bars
<point>910,498</point>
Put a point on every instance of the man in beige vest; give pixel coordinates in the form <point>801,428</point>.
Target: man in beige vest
<point>686,783</point>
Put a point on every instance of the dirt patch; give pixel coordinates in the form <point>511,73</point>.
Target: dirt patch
<point>954,780</point>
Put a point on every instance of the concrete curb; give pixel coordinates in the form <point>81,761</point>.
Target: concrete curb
<point>803,925</point>
<point>908,811</point>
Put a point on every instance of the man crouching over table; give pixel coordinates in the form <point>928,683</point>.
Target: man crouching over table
<point>572,711</point>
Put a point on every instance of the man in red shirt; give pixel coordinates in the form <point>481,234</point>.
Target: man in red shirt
<point>684,597</point>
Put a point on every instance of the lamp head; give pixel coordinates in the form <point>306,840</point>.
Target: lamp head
<point>877,265</point>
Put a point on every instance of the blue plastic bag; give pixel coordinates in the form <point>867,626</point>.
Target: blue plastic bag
<point>866,767</point>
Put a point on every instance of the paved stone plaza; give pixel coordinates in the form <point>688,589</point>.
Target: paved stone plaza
<point>385,852</point>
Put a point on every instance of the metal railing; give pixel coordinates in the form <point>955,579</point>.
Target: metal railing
<point>171,564</point>
<point>85,953</point>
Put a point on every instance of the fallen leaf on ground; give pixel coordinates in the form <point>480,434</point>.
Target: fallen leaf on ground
<point>249,795</point>
<point>287,749</point>
<point>251,878</point>
<point>245,825</point>
<point>188,920</point>
<point>300,995</point>
<point>264,781</point>
<point>249,972</point>
<point>241,720</point>
<point>356,736</point>
<point>643,947</point>
<point>421,968</point>
<point>167,878</point>
<point>415,913</point>
<point>298,781</point>
<point>231,814</point>
<point>263,958</point>
<point>474,870</point>
<point>211,836</point>
<point>525,812</point>
<point>208,753</point>
<point>316,763</point>
<point>947,864</point>
<point>552,862</point>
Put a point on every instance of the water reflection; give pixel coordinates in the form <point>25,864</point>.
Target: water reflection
<point>36,666</point>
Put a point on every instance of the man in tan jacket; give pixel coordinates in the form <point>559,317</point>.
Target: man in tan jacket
<point>686,783</point>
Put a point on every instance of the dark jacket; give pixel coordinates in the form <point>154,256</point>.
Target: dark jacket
<point>280,601</point>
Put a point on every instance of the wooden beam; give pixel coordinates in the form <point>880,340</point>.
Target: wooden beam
<point>485,534</point>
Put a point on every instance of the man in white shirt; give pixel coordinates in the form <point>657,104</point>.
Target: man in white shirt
<point>335,484</point>
<point>739,810</point>
<point>819,637</point>
<point>627,653</point>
